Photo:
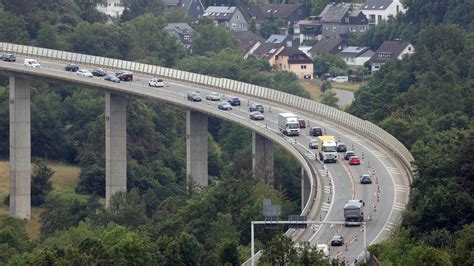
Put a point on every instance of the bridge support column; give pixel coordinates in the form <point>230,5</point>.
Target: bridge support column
<point>196,149</point>
<point>262,158</point>
<point>305,188</point>
<point>115,144</point>
<point>20,148</point>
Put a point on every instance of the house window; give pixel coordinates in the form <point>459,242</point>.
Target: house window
<point>234,25</point>
<point>238,17</point>
<point>398,8</point>
<point>362,29</point>
<point>276,57</point>
<point>303,66</point>
<point>372,18</point>
<point>379,17</point>
<point>409,48</point>
<point>334,29</point>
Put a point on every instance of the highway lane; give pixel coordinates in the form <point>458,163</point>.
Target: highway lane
<point>344,186</point>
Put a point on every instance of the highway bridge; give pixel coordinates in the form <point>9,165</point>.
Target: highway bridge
<point>325,187</point>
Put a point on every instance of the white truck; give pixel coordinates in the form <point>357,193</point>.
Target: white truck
<point>353,211</point>
<point>327,148</point>
<point>288,124</point>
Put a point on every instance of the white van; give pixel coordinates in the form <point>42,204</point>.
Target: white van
<point>31,63</point>
<point>156,82</point>
<point>323,248</point>
<point>341,79</point>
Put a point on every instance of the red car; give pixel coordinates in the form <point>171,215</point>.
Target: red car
<point>302,123</point>
<point>354,160</point>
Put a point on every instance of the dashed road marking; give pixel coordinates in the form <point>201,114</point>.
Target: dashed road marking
<point>399,206</point>
<point>400,188</point>
<point>323,172</point>
<point>327,189</point>
<point>393,170</point>
<point>310,156</point>
<point>389,226</point>
<point>325,207</point>
<point>355,138</point>
<point>377,153</point>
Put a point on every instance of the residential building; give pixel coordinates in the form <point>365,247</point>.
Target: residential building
<point>286,40</point>
<point>307,30</point>
<point>112,8</point>
<point>355,56</point>
<point>328,46</point>
<point>379,10</point>
<point>390,50</point>
<point>253,12</point>
<point>228,16</point>
<point>293,60</point>
<point>267,51</point>
<point>290,13</point>
<point>193,8</point>
<point>341,20</point>
<point>249,41</point>
<point>182,31</point>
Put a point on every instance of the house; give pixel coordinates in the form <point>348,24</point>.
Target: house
<point>293,60</point>
<point>341,20</point>
<point>307,30</point>
<point>249,41</point>
<point>228,16</point>
<point>379,10</point>
<point>193,8</point>
<point>355,56</point>
<point>290,13</point>
<point>328,46</point>
<point>390,50</point>
<point>182,31</point>
<point>253,12</point>
<point>267,52</point>
<point>284,39</point>
<point>112,8</point>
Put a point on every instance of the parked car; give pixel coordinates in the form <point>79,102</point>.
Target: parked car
<point>354,160</point>
<point>84,73</point>
<point>234,101</point>
<point>31,63</point>
<point>302,123</point>
<point>337,241</point>
<point>348,155</point>
<point>71,68</point>
<point>256,107</point>
<point>313,144</point>
<point>194,96</point>
<point>341,79</point>
<point>98,72</point>
<point>8,57</point>
<point>256,115</point>
<point>113,78</point>
<point>156,82</point>
<point>224,106</point>
<point>213,96</point>
<point>365,179</point>
<point>124,75</point>
<point>341,147</point>
<point>315,131</point>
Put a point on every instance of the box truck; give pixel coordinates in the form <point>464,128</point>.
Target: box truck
<point>288,124</point>
<point>327,148</point>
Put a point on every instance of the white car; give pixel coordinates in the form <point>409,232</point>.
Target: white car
<point>156,82</point>
<point>341,79</point>
<point>31,63</point>
<point>213,96</point>
<point>84,73</point>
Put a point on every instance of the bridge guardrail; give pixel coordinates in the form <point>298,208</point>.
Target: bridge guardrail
<point>307,106</point>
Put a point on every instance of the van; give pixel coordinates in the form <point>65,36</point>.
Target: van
<point>341,79</point>
<point>324,249</point>
<point>31,63</point>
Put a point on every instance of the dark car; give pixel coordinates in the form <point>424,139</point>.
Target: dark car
<point>194,96</point>
<point>348,155</point>
<point>315,131</point>
<point>313,144</point>
<point>341,147</point>
<point>302,123</point>
<point>337,241</point>
<point>365,179</point>
<point>256,107</point>
<point>99,72</point>
<point>234,101</point>
<point>124,75</point>
<point>71,68</point>
<point>224,106</point>
<point>256,116</point>
<point>112,78</point>
<point>8,57</point>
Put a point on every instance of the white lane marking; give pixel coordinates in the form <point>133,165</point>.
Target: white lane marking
<point>399,206</point>
<point>325,207</point>
<point>327,189</point>
<point>377,153</point>
<point>389,226</point>
<point>323,172</point>
<point>400,188</point>
<point>393,170</point>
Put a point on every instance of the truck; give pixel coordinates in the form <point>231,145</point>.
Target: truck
<point>327,148</point>
<point>288,124</point>
<point>353,211</point>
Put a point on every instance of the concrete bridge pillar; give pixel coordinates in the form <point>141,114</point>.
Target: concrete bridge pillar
<point>305,188</point>
<point>115,144</point>
<point>196,148</point>
<point>20,148</point>
<point>262,158</point>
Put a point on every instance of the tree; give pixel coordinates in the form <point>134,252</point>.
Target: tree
<point>210,38</point>
<point>253,25</point>
<point>92,181</point>
<point>48,37</point>
<point>13,28</point>
<point>279,251</point>
<point>228,253</point>
<point>270,26</point>
<point>326,85</point>
<point>40,183</point>
<point>329,98</point>
<point>464,246</point>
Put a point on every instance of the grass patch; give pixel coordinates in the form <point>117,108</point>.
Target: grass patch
<point>312,87</point>
<point>348,86</point>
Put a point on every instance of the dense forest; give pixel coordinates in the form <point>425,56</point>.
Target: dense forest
<point>425,101</point>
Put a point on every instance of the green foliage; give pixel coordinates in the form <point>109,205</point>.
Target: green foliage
<point>13,238</point>
<point>40,183</point>
<point>329,98</point>
<point>253,25</point>
<point>271,26</point>
<point>13,28</point>
<point>92,181</point>
<point>327,63</point>
<point>210,38</point>
<point>135,8</point>
<point>326,85</point>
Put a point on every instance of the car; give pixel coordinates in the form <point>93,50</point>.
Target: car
<point>156,82</point>
<point>313,144</point>
<point>194,96</point>
<point>71,68</point>
<point>337,241</point>
<point>8,57</point>
<point>31,63</point>
<point>348,155</point>
<point>213,96</point>
<point>341,147</point>
<point>302,123</point>
<point>365,179</point>
<point>341,79</point>
<point>354,160</point>
<point>224,106</point>
<point>124,75</point>
<point>315,131</point>
<point>84,73</point>
<point>111,77</point>
<point>256,107</point>
<point>256,115</point>
<point>98,72</point>
<point>234,101</point>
